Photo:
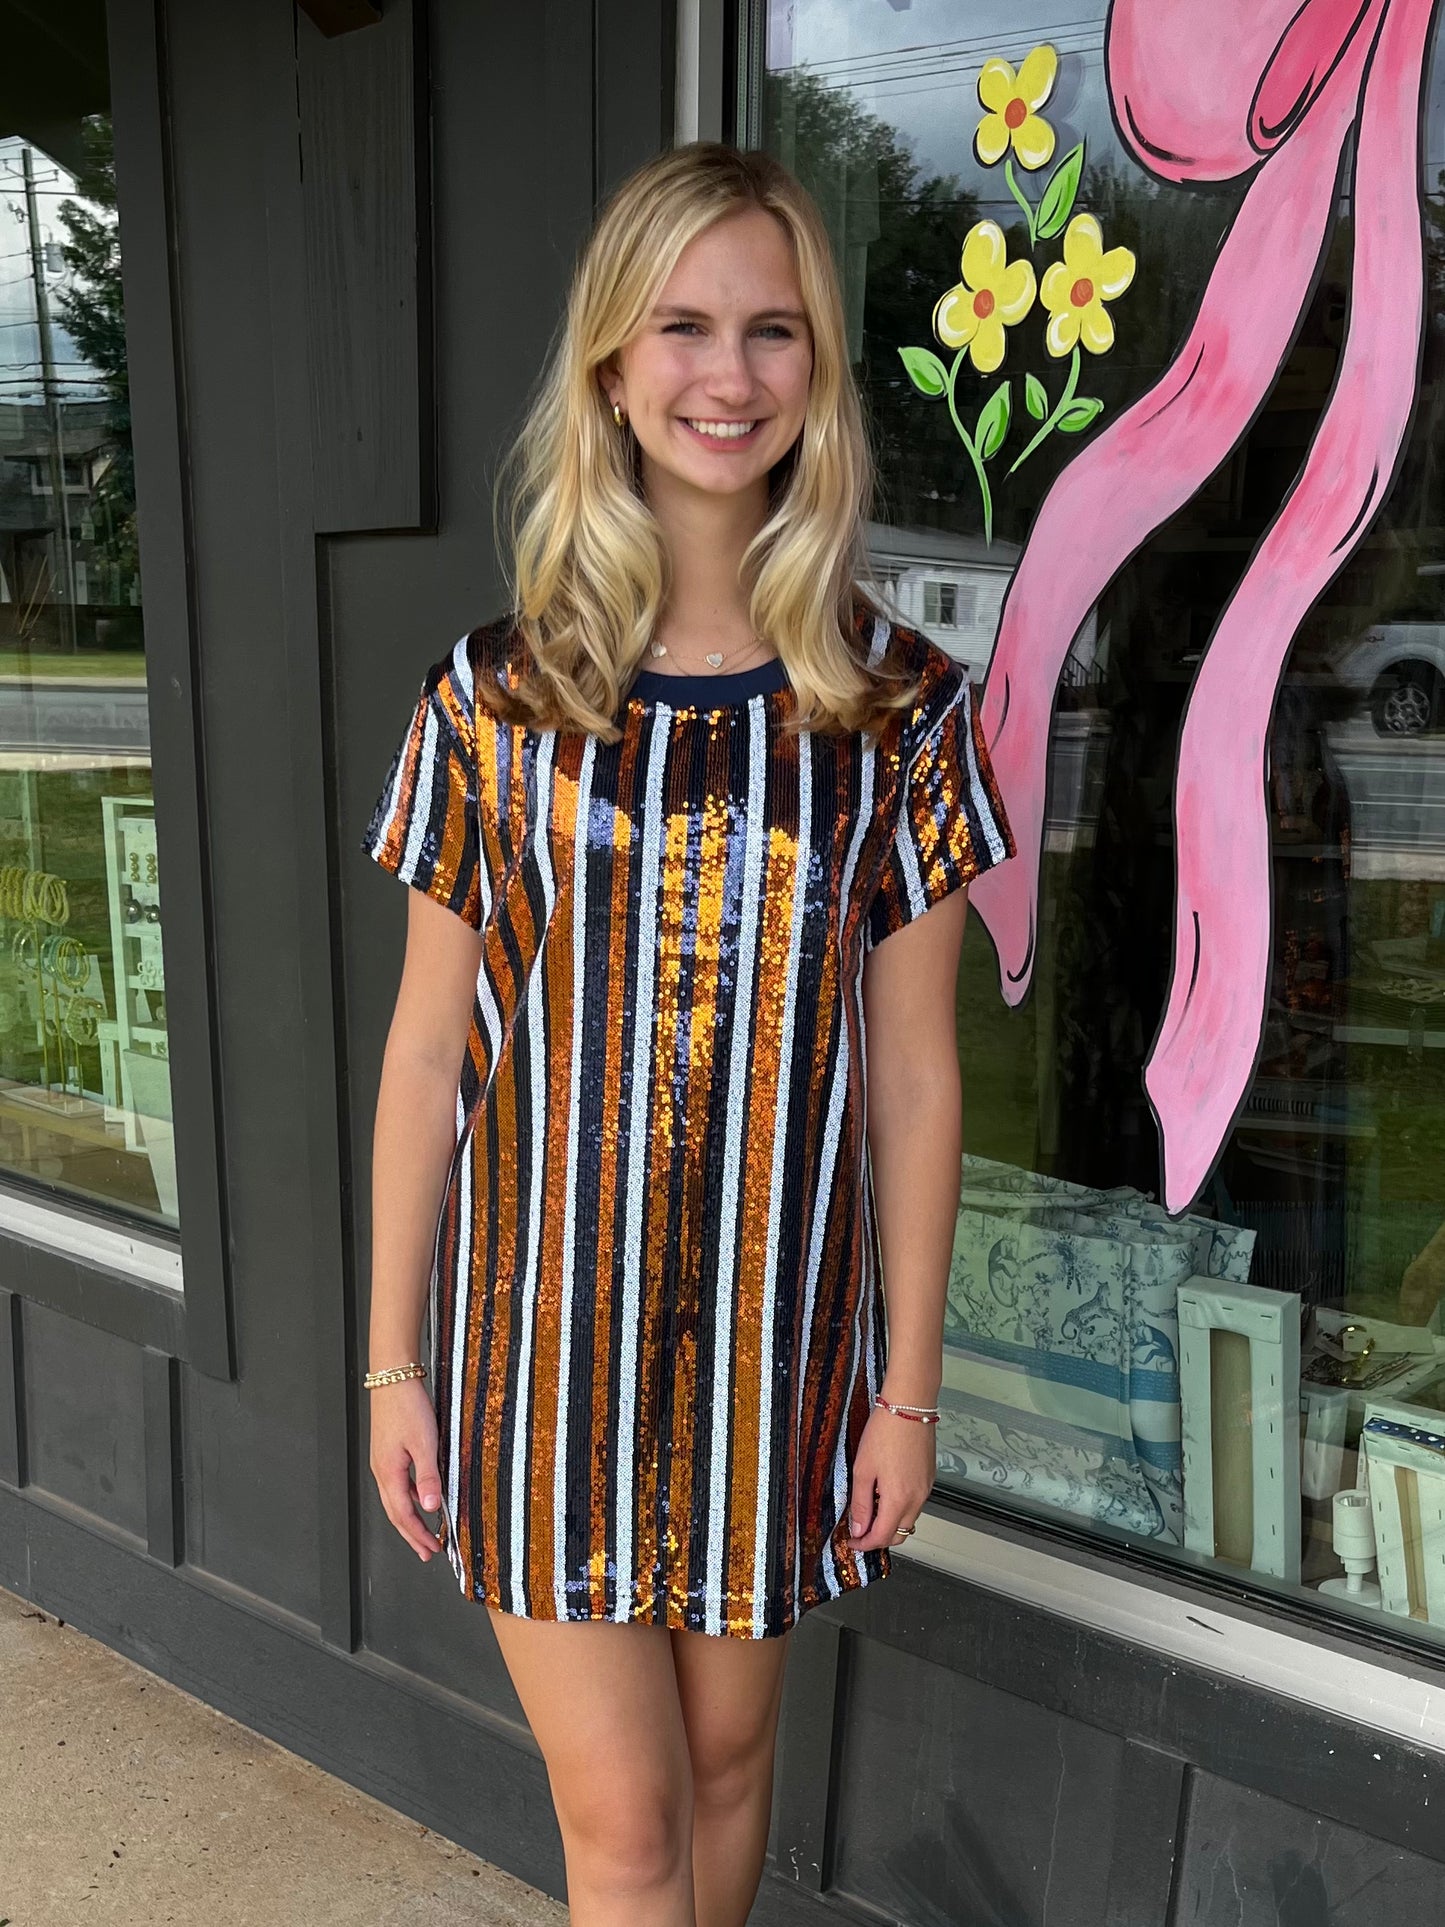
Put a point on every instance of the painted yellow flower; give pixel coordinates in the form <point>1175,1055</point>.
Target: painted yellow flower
<point>1013,100</point>
<point>1075,289</point>
<point>994,294</point>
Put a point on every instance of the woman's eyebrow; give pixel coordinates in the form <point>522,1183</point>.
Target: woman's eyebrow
<point>678,312</point>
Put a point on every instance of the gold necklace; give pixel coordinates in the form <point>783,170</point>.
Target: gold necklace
<point>714,656</point>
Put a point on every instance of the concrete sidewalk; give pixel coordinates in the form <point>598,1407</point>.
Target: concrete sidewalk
<point>125,1801</point>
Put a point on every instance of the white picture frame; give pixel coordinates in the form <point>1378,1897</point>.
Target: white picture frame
<point>1266,1511</point>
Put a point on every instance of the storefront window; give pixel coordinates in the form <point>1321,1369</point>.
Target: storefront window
<point>1155,373</point>
<point>84,1078</point>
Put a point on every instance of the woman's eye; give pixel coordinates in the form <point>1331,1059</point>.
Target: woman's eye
<point>776,328</point>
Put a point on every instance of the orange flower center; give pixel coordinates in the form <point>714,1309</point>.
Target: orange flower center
<point>983,304</point>
<point>1016,113</point>
<point>1082,292</point>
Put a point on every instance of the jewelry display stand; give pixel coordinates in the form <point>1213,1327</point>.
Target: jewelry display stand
<point>136,1039</point>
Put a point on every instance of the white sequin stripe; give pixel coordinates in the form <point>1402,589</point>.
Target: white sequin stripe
<point>462,670</point>
<point>461,1299</point>
<point>420,795</point>
<point>823,1198</point>
<point>569,1225</point>
<point>865,1296</point>
<point>734,1141</point>
<point>879,644</point>
<point>637,1129</point>
<point>868,1286</point>
<point>536,1130</point>
<point>486,989</point>
<point>462,1277</point>
<point>977,786</point>
<point>763,1527</point>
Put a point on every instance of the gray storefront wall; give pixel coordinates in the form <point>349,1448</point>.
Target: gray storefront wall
<point>344,252</point>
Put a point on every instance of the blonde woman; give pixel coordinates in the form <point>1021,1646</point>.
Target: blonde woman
<point>671,823</point>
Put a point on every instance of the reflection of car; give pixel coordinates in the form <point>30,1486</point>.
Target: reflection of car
<point>1400,668</point>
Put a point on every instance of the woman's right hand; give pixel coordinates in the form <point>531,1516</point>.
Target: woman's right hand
<point>403,1436</point>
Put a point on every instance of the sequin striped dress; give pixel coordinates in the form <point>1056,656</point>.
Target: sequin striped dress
<point>655,1313</point>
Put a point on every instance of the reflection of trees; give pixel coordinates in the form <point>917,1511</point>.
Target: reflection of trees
<point>1174,234</point>
<point>93,311</point>
<point>896,236</point>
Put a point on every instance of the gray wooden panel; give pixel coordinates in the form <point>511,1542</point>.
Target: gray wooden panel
<point>1252,1861</point>
<point>799,1836</point>
<point>161,1385</point>
<point>956,1803</point>
<point>199,1329</point>
<point>636,74</point>
<point>85,1411</point>
<point>12,1389</point>
<point>366,194</point>
<point>254,1449</point>
<point>1147,1820</point>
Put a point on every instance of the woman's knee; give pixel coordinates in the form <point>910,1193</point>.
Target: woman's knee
<point>629,1833</point>
<point>731,1758</point>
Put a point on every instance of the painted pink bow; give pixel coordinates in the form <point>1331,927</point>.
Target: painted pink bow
<point>1206,92</point>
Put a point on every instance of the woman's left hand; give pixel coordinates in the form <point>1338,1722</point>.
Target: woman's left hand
<point>893,1471</point>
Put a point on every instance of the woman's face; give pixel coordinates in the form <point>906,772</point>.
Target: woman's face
<point>716,384</point>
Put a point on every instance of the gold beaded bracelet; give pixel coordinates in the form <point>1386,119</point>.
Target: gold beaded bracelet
<point>393,1374</point>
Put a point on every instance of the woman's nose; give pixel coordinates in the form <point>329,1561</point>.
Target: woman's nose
<point>728,370</point>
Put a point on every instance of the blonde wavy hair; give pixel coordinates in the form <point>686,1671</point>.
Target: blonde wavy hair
<point>588,568</point>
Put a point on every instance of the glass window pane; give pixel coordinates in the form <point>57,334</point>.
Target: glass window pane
<point>84,1077</point>
<point>1198,1284</point>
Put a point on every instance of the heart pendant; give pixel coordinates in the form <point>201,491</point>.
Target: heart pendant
<point>716,661</point>
<point>659,649</point>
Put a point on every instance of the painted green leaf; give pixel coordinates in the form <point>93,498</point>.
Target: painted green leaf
<point>1079,414</point>
<point>993,420</point>
<point>1058,201</point>
<point>925,370</point>
<point>1035,397</point>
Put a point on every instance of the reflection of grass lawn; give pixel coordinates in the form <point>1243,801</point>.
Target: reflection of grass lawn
<point>996,1058</point>
<point>109,665</point>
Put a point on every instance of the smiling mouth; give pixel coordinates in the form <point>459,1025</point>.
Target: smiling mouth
<point>720,431</point>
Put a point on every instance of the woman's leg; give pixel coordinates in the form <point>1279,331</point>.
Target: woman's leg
<point>602,1701</point>
<point>731,1690</point>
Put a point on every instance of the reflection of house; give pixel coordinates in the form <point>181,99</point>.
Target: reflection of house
<point>29,516</point>
<point>950,586</point>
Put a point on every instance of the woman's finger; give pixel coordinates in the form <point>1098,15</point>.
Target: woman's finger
<point>398,1499</point>
<point>886,1522</point>
<point>860,1503</point>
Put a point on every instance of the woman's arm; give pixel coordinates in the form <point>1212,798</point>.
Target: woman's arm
<point>915,1150</point>
<point>412,1146</point>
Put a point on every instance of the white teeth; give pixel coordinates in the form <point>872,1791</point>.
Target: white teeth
<point>724,431</point>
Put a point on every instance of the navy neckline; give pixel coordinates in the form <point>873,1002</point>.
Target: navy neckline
<point>692,692</point>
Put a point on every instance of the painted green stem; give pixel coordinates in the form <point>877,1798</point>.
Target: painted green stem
<point>1021,198</point>
<point>973,455</point>
<point>1046,428</point>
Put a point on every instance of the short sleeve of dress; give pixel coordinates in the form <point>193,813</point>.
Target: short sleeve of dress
<point>424,826</point>
<point>951,824</point>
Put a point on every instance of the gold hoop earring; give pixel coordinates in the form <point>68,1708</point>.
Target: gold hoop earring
<point>617,414</point>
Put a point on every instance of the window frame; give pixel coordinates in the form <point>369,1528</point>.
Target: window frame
<point>106,1270</point>
<point>1039,1552</point>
